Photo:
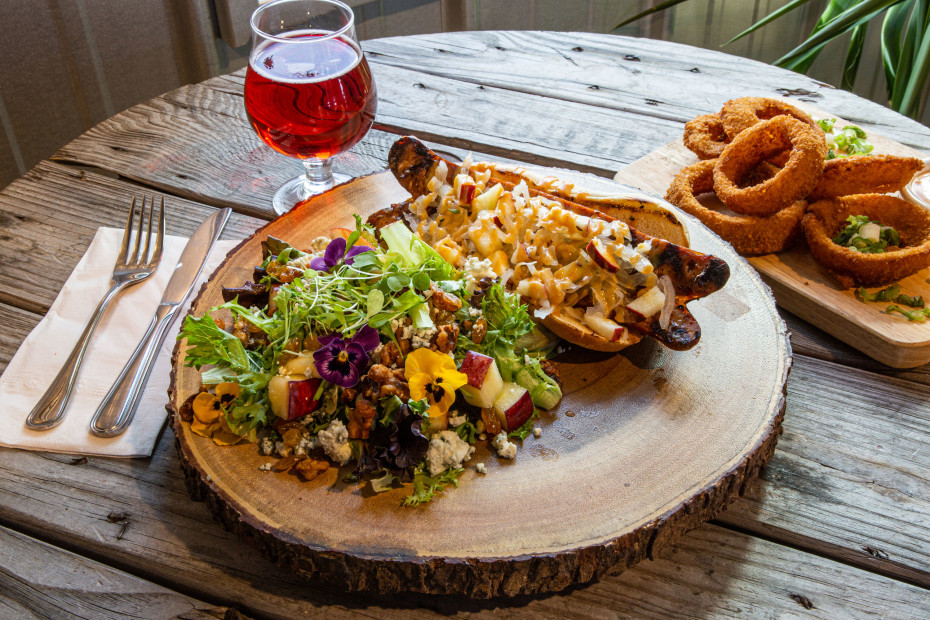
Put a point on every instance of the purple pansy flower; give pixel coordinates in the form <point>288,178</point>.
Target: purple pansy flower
<point>335,251</point>
<point>342,361</point>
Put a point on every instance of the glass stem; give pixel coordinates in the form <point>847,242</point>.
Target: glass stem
<point>319,177</point>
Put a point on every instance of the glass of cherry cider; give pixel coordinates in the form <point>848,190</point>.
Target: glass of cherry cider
<point>309,93</point>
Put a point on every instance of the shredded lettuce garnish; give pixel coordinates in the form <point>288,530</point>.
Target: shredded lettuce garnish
<point>852,238</point>
<point>890,293</point>
<point>850,141</point>
<point>919,316</point>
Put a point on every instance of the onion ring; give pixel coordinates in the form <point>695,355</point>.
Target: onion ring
<point>865,174</point>
<point>746,233</point>
<point>827,218</point>
<point>704,136</point>
<point>737,115</point>
<point>757,144</point>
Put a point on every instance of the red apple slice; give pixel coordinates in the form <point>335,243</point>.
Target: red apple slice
<point>484,379</point>
<point>292,397</point>
<point>514,406</point>
<point>602,256</point>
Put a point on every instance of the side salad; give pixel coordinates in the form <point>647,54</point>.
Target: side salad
<point>379,356</point>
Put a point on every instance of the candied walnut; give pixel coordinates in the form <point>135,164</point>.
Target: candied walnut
<point>349,395</point>
<point>380,374</point>
<point>360,419</point>
<point>442,300</point>
<point>283,273</point>
<point>396,388</point>
<point>399,374</point>
<point>240,331</point>
<point>250,336</point>
<point>445,338</point>
<point>388,355</point>
<point>291,437</point>
<point>308,469</point>
<point>479,331</point>
<point>405,346</point>
<point>552,370</point>
<point>370,389</point>
<point>282,426</point>
<point>492,423</point>
<point>286,463</point>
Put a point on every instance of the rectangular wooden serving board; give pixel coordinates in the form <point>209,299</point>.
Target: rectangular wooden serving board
<point>800,284</point>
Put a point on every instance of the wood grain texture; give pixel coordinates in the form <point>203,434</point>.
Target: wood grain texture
<point>41,581</point>
<point>853,484</point>
<point>50,215</point>
<point>628,461</point>
<point>17,324</point>
<point>804,287</point>
<point>649,79</point>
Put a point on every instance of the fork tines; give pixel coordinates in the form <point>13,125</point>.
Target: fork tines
<point>143,256</point>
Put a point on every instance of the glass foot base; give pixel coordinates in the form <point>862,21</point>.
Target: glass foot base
<point>299,189</point>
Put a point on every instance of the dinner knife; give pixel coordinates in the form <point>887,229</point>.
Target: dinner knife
<point>119,405</point>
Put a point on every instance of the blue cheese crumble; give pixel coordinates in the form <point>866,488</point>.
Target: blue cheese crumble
<point>447,451</point>
<point>334,440</point>
<point>505,448</point>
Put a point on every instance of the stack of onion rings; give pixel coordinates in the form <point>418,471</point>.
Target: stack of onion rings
<point>826,218</point>
<point>746,233</point>
<point>754,146</point>
<point>865,174</point>
<point>738,115</point>
<point>704,136</point>
<point>771,164</point>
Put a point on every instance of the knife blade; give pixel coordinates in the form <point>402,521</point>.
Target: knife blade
<point>118,407</point>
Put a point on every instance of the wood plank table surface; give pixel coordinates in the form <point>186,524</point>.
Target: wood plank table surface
<point>838,525</point>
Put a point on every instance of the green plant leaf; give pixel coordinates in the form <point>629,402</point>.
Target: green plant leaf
<point>892,31</point>
<point>656,9</point>
<point>832,10</point>
<point>853,56</point>
<point>847,20</point>
<point>911,102</point>
<point>769,18</point>
<point>909,47</point>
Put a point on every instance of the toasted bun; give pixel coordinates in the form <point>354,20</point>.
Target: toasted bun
<point>576,332</point>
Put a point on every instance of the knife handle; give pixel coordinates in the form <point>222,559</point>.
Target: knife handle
<point>50,410</point>
<point>119,405</point>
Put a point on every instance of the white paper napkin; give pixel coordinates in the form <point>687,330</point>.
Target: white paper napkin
<point>45,349</point>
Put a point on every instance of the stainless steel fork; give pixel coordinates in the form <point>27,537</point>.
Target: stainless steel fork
<point>129,269</point>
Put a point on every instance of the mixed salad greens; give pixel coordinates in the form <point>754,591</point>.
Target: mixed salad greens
<point>381,355</point>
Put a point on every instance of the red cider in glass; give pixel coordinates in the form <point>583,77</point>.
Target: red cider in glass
<point>310,100</point>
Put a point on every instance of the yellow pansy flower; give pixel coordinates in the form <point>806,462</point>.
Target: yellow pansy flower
<point>433,376</point>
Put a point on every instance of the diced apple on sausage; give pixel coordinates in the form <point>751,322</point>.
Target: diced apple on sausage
<point>648,304</point>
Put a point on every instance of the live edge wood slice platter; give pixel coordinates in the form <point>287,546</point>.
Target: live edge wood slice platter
<point>645,446</point>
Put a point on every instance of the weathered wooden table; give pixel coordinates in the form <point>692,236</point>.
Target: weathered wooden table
<point>838,526</point>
